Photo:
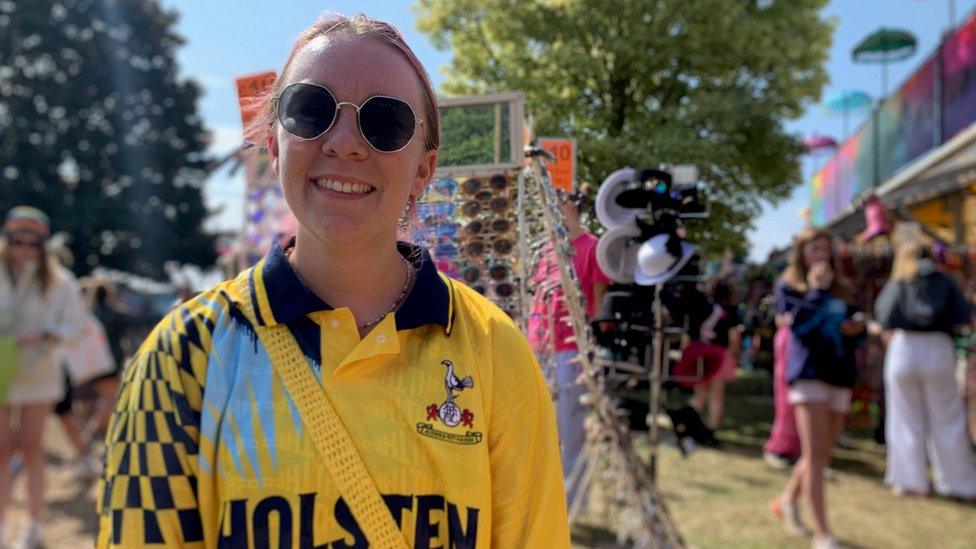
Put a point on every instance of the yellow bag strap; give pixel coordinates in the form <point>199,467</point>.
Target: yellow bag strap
<point>329,435</point>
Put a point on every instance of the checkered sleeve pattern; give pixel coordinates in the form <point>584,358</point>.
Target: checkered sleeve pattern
<point>148,495</point>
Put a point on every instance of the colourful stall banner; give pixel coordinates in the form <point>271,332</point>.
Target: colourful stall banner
<point>252,94</point>
<point>562,172</point>
<point>904,128</point>
<point>959,80</point>
<point>908,121</point>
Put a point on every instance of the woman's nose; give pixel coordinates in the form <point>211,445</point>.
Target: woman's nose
<point>344,138</point>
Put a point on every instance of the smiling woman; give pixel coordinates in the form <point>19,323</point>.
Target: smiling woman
<point>343,384</point>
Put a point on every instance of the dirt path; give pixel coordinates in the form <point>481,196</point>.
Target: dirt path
<point>70,520</point>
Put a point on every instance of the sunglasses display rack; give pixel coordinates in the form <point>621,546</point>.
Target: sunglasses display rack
<point>611,461</point>
<point>468,225</point>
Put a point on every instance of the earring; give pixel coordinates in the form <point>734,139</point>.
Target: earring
<point>404,222</point>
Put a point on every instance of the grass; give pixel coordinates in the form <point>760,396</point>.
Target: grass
<point>720,497</point>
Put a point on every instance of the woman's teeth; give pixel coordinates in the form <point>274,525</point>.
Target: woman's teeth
<point>340,187</point>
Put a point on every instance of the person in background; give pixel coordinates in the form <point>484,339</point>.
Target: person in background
<point>103,303</point>
<point>551,332</point>
<point>920,310</point>
<point>89,466</point>
<point>40,306</point>
<point>824,333</point>
<point>783,446</point>
<point>723,328</point>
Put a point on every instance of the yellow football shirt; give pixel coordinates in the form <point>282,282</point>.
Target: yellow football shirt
<point>443,399</point>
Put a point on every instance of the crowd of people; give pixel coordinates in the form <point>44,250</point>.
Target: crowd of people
<point>818,331</point>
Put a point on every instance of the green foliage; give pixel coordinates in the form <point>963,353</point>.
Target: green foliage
<point>643,82</point>
<point>97,130</point>
<point>468,135</point>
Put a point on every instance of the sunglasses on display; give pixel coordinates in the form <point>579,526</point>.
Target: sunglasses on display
<point>31,244</point>
<point>476,247</point>
<point>497,272</point>
<point>495,226</point>
<point>307,111</point>
<point>498,205</point>
<point>472,186</point>
<point>504,290</point>
<point>475,185</point>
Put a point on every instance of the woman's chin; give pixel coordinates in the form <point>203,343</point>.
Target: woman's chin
<point>341,230</point>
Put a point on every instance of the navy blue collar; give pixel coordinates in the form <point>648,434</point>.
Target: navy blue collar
<point>287,297</point>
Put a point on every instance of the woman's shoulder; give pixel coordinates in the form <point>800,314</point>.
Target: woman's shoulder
<point>199,315</point>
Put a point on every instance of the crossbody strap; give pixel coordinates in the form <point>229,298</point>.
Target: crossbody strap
<point>329,435</point>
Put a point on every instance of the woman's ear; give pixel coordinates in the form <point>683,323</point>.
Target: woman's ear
<point>424,173</point>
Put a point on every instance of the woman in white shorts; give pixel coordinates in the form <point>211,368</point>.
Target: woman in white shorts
<point>821,372</point>
<point>40,309</point>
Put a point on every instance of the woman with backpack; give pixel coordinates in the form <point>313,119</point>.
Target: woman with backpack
<point>920,309</point>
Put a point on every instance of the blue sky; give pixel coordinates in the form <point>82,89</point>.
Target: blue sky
<point>225,39</point>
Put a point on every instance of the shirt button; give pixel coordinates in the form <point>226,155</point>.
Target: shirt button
<point>334,323</point>
<point>380,339</point>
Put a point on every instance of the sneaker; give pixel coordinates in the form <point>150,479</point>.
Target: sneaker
<point>776,461</point>
<point>828,542</point>
<point>901,492</point>
<point>30,537</point>
<point>789,513</point>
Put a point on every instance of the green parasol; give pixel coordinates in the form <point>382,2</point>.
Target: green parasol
<point>884,46</point>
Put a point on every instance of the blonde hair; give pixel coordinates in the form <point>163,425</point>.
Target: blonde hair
<point>904,268</point>
<point>795,274</point>
<point>365,27</point>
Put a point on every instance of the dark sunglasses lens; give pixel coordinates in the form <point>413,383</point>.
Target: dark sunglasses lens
<point>500,204</point>
<point>502,246</point>
<point>471,186</point>
<point>387,123</point>
<point>475,249</point>
<point>500,226</point>
<point>471,209</point>
<point>471,275</point>
<point>305,110</point>
<point>498,182</point>
<point>498,272</point>
<point>504,290</point>
<point>474,227</point>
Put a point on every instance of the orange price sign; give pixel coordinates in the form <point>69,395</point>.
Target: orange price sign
<point>562,172</point>
<point>252,92</point>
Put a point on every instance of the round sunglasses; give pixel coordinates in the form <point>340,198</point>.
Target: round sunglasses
<point>498,205</point>
<point>499,272</point>
<point>307,111</point>
<point>498,226</point>
<point>475,185</point>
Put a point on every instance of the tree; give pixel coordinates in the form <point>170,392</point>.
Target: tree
<point>642,82</point>
<point>97,129</point>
